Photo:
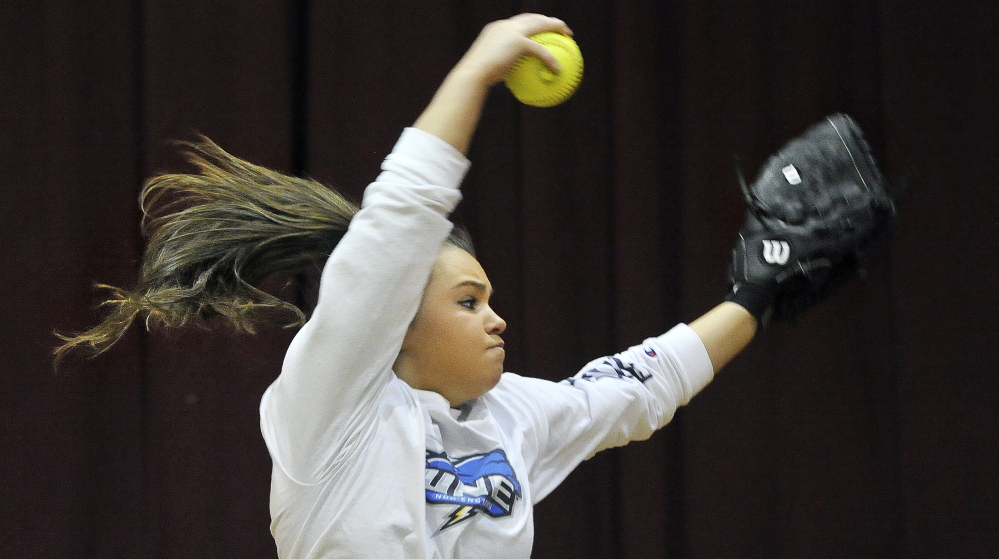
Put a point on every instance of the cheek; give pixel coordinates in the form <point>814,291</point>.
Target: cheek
<point>434,337</point>
<point>425,326</point>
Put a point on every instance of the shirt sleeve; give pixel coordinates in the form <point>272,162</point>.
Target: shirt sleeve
<point>608,403</point>
<point>325,400</point>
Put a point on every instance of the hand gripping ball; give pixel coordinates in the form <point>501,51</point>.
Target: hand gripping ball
<point>532,83</point>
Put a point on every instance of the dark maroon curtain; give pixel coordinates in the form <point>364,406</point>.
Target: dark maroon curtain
<point>865,429</point>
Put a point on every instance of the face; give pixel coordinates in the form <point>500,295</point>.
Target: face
<point>453,346</point>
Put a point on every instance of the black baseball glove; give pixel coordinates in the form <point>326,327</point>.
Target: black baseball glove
<point>818,213</point>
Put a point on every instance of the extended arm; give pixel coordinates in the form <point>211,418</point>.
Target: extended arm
<point>626,397</point>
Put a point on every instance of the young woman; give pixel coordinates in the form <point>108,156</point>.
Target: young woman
<point>393,430</point>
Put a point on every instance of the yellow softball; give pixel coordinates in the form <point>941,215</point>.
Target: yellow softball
<point>532,83</point>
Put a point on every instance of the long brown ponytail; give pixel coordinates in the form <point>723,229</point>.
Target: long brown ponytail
<point>213,237</point>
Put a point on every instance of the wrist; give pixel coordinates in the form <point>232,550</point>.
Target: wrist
<point>757,300</point>
<point>468,75</point>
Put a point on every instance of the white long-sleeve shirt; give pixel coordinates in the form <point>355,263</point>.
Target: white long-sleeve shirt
<point>366,466</point>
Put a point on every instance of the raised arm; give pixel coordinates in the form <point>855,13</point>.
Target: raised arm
<point>338,368</point>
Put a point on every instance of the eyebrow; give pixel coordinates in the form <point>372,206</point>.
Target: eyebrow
<point>476,285</point>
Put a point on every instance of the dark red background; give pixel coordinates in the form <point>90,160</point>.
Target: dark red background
<point>867,429</point>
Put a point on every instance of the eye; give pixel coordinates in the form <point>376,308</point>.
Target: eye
<point>470,303</point>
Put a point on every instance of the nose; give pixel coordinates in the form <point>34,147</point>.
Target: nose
<point>495,323</point>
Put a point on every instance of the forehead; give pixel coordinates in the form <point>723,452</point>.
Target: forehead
<point>455,266</point>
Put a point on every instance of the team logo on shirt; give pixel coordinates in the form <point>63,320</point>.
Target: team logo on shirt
<point>612,367</point>
<point>480,483</point>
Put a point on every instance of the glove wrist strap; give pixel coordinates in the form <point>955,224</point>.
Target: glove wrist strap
<point>759,301</point>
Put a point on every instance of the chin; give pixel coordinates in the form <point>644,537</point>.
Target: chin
<point>492,380</point>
